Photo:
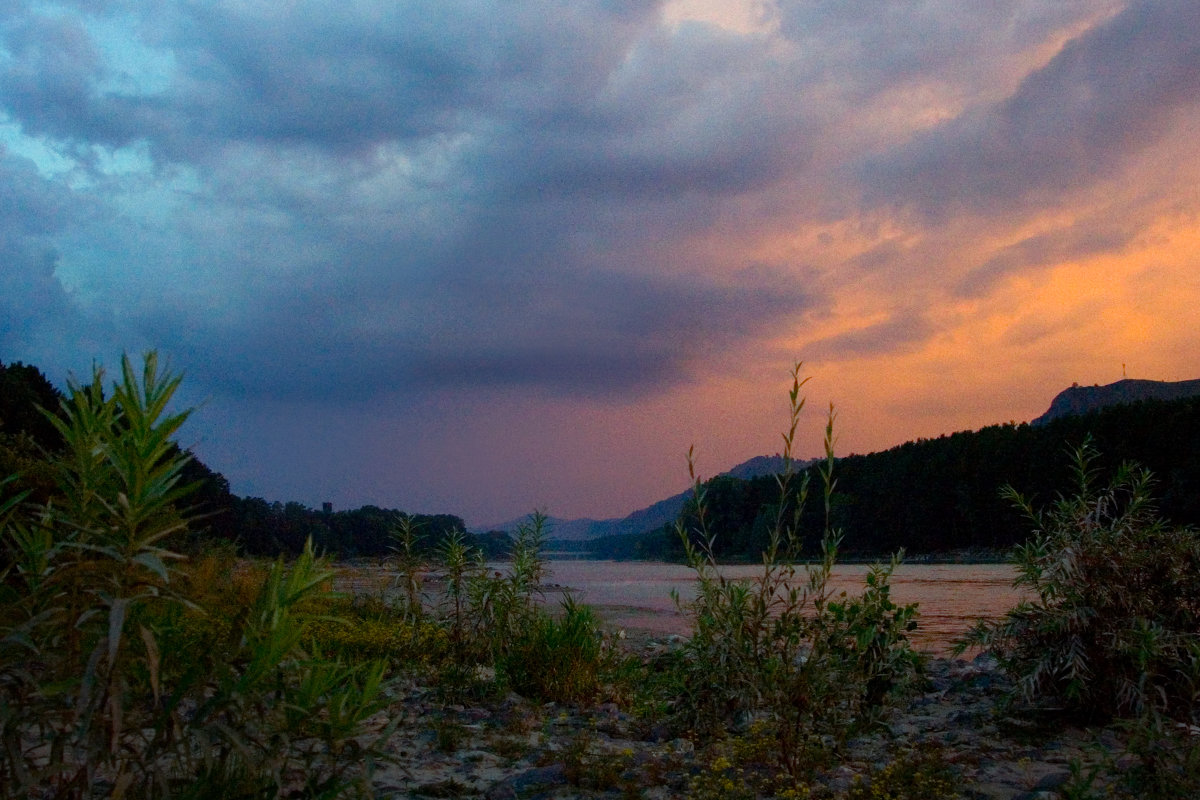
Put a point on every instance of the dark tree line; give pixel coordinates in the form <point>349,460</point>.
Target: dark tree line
<point>942,495</point>
<point>254,525</point>
<point>25,432</point>
<point>269,528</point>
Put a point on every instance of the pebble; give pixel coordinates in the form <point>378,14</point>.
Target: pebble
<point>996,759</point>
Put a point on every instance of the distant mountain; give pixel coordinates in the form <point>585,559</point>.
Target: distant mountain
<point>762,465</point>
<point>664,512</point>
<point>1082,399</point>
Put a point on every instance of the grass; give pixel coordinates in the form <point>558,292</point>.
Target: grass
<point>820,666</point>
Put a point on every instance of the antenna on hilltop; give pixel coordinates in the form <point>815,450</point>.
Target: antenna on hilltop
<point>1123,375</point>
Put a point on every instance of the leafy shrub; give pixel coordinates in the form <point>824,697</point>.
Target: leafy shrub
<point>1113,626</point>
<point>782,645</point>
<point>115,679</point>
<point>562,660</point>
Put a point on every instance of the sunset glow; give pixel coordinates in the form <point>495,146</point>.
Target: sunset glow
<point>474,258</point>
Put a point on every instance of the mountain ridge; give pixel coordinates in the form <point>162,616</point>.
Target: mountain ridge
<point>1071,401</point>
<point>655,515</point>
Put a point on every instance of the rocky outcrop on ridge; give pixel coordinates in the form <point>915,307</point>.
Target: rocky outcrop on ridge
<point>1082,399</point>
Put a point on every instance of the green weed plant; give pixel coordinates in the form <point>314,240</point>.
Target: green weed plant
<point>783,648</point>
<point>108,685</point>
<point>1113,623</point>
<point>409,567</point>
<point>485,630</point>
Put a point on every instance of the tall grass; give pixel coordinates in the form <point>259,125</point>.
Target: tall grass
<point>115,678</point>
<point>783,647</point>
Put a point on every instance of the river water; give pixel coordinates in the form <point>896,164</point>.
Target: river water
<point>636,595</point>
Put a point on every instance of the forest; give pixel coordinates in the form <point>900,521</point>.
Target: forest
<point>940,496</point>
<point>930,496</point>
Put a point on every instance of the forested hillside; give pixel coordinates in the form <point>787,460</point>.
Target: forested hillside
<point>942,495</point>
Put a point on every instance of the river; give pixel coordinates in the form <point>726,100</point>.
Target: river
<point>636,595</point>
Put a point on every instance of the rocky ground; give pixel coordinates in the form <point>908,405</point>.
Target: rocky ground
<point>509,748</point>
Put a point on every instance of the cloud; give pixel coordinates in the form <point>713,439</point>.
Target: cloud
<point>1109,93</point>
<point>594,335</point>
<point>33,304</point>
<point>337,78</point>
<point>431,196</point>
<point>578,204</point>
<point>1080,240</point>
<point>900,332</point>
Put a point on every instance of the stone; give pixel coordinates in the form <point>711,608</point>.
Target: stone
<point>530,781</point>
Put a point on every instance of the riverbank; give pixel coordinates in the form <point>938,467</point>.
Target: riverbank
<point>510,748</point>
<point>965,557</point>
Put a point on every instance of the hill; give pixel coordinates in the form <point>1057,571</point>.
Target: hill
<point>654,516</point>
<point>940,495</point>
<point>934,496</point>
<point>1082,399</point>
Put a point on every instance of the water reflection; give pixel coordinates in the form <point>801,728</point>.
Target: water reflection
<point>637,595</point>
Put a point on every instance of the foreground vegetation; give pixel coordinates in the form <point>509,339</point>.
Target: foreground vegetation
<point>129,670</point>
<point>1113,626</point>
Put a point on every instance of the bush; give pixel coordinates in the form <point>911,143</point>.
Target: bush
<point>1113,627</point>
<point>562,660</point>
<point>782,646</point>
<point>118,675</point>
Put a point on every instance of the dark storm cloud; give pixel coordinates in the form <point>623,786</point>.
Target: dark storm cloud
<point>317,74</point>
<point>598,335</point>
<point>1107,94</point>
<point>32,210</point>
<point>430,195</point>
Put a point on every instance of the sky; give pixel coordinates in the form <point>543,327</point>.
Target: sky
<point>484,256</point>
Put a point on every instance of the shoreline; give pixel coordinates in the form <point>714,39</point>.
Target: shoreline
<point>964,559</point>
<point>511,748</point>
